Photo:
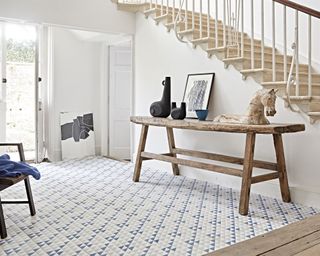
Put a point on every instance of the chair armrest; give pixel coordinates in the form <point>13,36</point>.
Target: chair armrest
<point>20,149</point>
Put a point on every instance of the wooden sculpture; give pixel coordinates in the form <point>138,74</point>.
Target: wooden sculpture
<point>263,101</point>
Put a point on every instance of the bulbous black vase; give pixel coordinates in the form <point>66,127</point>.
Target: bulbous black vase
<point>178,113</point>
<point>162,108</point>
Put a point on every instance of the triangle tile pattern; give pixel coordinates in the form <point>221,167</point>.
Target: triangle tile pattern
<point>91,206</point>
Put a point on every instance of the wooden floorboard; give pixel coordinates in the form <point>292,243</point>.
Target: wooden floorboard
<point>301,238</point>
<point>313,251</point>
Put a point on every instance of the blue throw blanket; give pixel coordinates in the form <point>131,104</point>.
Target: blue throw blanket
<point>10,168</point>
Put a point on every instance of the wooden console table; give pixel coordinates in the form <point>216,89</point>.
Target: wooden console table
<point>278,169</point>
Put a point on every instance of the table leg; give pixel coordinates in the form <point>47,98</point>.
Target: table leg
<point>281,162</point>
<point>141,147</point>
<point>247,174</point>
<point>172,145</point>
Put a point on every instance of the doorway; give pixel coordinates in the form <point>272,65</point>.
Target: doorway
<point>17,99</point>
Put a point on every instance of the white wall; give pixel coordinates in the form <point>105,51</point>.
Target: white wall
<point>159,54</point>
<point>77,83</point>
<point>98,15</point>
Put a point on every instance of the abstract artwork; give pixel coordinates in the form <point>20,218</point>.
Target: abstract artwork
<point>77,135</point>
<point>197,92</point>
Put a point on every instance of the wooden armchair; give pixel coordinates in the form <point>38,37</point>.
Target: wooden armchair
<point>6,182</point>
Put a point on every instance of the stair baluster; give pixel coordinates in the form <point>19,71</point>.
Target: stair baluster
<point>173,11</point>
<point>161,8</point>
<point>224,26</point>
<point>309,56</point>
<point>262,35</point>
<point>242,29</point>
<point>291,81</point>
<point>285,43</point>
<point>252,36</point>
<point>274,74</point>
<point>186,14</point>
<point>208,19</point>
<point>297,54</point>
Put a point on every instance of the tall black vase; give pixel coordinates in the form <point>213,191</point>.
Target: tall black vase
<point>162,108</point>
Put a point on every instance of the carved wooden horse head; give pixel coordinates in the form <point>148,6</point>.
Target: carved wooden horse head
<point>264,101</point>
<point>268,100</point>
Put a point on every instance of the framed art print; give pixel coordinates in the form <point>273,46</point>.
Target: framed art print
<point>197,92</point>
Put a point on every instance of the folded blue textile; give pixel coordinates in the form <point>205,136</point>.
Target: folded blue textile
<point>10,168</point>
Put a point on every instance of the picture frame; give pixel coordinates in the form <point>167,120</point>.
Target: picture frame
<point>197,92</point>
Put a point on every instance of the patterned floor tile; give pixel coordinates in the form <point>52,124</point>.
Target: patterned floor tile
<point>91,206</point>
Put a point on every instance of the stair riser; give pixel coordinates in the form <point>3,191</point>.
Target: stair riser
<point>279,66</point>
<point>182,26</point>
<point>267,57</point>
<point>247,47</point>
<point>170,11</point>
<point>205,23</point>
<point>303,90</point>
<point>132,8</point>
<point>267,77</point>
<point>221,37</point>
<point>307,106</point>
<point>196,18</point>
<point>314,107</point>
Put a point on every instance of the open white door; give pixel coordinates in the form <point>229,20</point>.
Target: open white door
<point>120,91</point>
<point>21,115</point>
<point>2,83</point>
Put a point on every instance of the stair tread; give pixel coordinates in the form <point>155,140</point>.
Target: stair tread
<point>149,11</point>
<point>304,98</point>
<point>285,83</point>
<point>259,59</point>
<point>216,48</point>
<point>161,16</point>
<point>186,31</point>
<point>270,70</point>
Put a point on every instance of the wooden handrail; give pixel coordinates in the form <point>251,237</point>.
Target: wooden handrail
<point>299,7</point>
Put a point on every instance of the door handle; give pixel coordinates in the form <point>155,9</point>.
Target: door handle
<point>4,80</point>
<point>40,106</point>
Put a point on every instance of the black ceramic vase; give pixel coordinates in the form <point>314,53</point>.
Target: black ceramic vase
<point>178,113</point>
<point>162,108</point>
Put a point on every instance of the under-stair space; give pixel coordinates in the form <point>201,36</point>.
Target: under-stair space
<point>218,28</point>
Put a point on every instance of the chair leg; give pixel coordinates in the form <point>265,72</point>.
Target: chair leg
<point>3,229</point>
<point>30,197</point>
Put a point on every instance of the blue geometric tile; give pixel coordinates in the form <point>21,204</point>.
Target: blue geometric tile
<point>90,206</point>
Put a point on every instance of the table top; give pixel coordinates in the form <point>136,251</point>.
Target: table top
<point>194,124</point>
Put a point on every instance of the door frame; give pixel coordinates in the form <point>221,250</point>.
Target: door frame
<point>3,61</point>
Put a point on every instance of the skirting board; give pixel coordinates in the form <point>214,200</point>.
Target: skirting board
<point>270,188</point>
<point>55,156</point>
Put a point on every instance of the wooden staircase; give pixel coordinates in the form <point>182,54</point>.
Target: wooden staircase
<point>196,33</point>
